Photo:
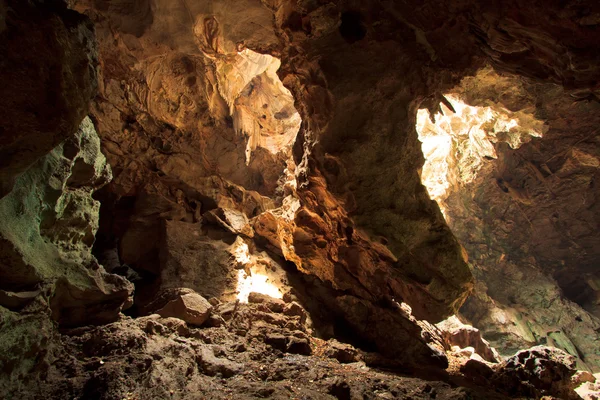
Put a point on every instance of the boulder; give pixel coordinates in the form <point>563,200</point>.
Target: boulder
<point>398,335</point>
<point>273,304</point>
<point>342,352</point>
<point>477,371</point>
<point>184,304</point>
<point>455,333</point>
<point>536,372</point>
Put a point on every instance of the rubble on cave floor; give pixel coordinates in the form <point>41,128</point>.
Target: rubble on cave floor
<point>264,349</point>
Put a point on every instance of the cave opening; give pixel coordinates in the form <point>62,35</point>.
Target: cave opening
<point>459,140</point>
<point>488,164</point>
<point>255,123</point>
<point>261,107</point>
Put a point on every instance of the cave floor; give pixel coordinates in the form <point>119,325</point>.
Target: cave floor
<point>247,352</point>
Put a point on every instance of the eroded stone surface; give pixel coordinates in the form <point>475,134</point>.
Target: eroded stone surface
<point>47,229</point>
<point>455,333</point>
<point>525,223</point>
<point>255,354</point>
<point>537,372</point>
<point>49,77</point>
<point>187,306</point>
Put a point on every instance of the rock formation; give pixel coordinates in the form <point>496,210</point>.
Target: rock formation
<point>525,214</point>
<point>243,213</point>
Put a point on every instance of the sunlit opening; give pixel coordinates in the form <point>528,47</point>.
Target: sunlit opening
<point>255,282</point>
<point>252,276</point>
<point>458,144</point>
<point>241,252</point>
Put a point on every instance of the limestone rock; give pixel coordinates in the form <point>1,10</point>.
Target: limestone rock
<point>48,78</point>
<point>581,377</point>
<point>139,245</point>
<point>182,303</point>
<point>273,304</point>
<point>587,389</point>
<point>389,328</point>
<point>26,342</point>
<point>229,219</point>
<point>212,365</point>
<point>296,345</point>
<point>190,259</point>
<point>455,333</point>
<point>295,309</point>
<point>47,229</point>
<point>342,352</point>
<point>477,370</point>
<point>190,307</point>
<point>16,301</point>
<point>539,371</point>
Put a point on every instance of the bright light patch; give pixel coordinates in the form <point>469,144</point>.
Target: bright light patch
<point>255,282</point>
<point>252,276</point>
<point>458,144</point>
<point>240,251</point>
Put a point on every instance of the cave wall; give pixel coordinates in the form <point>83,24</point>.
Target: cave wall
<point>347,210</point>
<point>51,165</point>
<point>190,158</point>
<point>49,76</point>
<point>528,222</point>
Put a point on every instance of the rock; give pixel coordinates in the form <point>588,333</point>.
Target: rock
<point>273,304</point>
<point>49,76</point>
<point>398,336</point>
<point>588,391</point>
<point>477,371</point>
<point>455,333</point>
<point>229,219</point>
<point>581,377</point>
<point>277,341</point>
<point>184,304</point>
<point>536,372</point>
<point>212,365</point>
<point>190,259</point>
<point>214,321</point>
<point>296,345</point>
<point>226,310</point>
<point>294,309</point>
<point>26,344</point>
<point>140,243</point>
<point>47,229</point>
<point>342,352</point>
<point>16,301</point>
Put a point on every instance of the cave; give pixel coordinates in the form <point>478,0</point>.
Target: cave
<point>244,199</point>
